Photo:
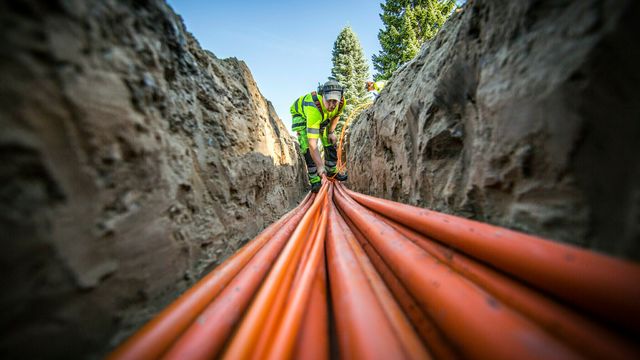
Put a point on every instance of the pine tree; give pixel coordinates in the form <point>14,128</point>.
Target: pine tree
<point>408,24</point>
<point>350,68</point>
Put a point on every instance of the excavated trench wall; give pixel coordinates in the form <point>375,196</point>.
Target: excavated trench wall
<point>523,114</point>
<point>132,160</point>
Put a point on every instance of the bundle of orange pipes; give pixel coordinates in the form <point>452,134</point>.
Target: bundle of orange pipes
<point>351,276</point>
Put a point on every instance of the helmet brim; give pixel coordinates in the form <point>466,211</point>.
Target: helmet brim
<point>332,95</point>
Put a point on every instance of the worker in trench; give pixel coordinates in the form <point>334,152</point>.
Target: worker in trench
<point>315,116</point>
<point>374,88</point>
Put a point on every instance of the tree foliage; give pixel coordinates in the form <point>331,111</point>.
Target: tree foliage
<point>350,68</point>
<point>407,25</point>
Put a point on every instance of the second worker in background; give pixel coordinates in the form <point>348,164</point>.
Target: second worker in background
<point>315,116</point>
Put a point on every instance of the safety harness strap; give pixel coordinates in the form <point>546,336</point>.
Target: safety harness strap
<point>316,101</point>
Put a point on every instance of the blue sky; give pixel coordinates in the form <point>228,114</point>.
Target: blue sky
<point>286,44</point>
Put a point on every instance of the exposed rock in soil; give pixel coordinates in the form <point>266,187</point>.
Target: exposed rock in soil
<point>523,114</point>
<point>131,160</point>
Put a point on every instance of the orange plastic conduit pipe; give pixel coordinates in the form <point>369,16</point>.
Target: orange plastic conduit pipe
<point>362,328</point>
<point>411,344</point>
<point>584,335</point>
<point>282,345</point>
<point>153,339</point>
<point>292,274</point>
<point>458,306</point>
<point>247,335</point>
<point>313,341</point>
<point>428,331</point>
<point>208,333</point>
<point>392,252</point>
<point>604,285</point>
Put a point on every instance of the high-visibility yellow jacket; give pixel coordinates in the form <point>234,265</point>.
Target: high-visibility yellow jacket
<point>379,85</point>
<point>307,116</point>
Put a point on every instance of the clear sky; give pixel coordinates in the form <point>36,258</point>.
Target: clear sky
<point>286,44</point>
